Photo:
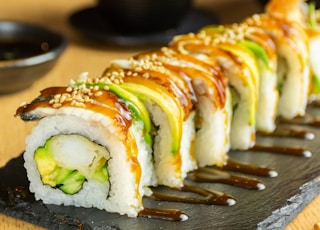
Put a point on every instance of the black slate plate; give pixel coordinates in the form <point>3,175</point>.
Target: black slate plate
<point>273,208</point>
<point>91,24</point>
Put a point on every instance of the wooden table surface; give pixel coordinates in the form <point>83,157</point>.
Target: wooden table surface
<point>82,56</point>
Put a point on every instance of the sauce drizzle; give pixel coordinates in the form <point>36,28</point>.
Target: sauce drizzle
<point>314,103</point>
<point>294,151</point>
<point>165,214</point>
<point>211,175</point>
<point>210,197</point>
<point>285,131</point>
<point>232,165</point>
<point>307,119</point>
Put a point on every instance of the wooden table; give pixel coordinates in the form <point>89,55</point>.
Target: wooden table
<point>93,58</point>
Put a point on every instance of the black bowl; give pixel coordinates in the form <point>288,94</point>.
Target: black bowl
<point>143,16</point>
<point>27,52</point>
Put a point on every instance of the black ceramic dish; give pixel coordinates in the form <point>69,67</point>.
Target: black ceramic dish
<point>91,24</point>
<point>143,16</point>
<point>27,52</point>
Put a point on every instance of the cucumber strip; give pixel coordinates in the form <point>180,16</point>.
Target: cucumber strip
<point>73,183</point>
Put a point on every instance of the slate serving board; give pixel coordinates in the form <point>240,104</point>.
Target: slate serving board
<point>285,196</point>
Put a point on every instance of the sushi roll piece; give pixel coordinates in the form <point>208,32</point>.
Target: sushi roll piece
<point>291,10</point>
<point>258,42</point>
<point>240,69</point>
<point>315,67</point>
<point>212,103</point>
<point>312,17</point>
<point>168,99</point>
<point>88,149</point>
<point>309,19</point>
<point>292,45</point>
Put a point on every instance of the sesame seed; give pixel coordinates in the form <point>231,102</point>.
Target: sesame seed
<point>89,81</point>
<point>80,104</point>
<point>154,56</point>
<point>138,69</point>
<point>56,105</point>
<point>62,98</point>
<point>24,103</point>
<point>57,96</point>
<point>146,75</point>
<point>72,82</point>
<point>97,94</point>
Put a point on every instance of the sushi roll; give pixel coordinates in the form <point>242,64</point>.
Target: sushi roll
<point>153,118</point>
<point>87,148</point>
<point>258,42</point>
<point>240,69</point>
<point>313,30</point>
<point>309,19</point>
<point>292,45</point>
<point>211,103</point>
<point>168,99</point>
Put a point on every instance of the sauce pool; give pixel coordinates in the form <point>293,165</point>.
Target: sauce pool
<point>11,49</point>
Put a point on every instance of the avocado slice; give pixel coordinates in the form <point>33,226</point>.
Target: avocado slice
<point>46,165</point>
<point>257,50</point>
<point>312,15</point>
<point>167,103</point>
<point>315,84</point>
<point>101,175</point>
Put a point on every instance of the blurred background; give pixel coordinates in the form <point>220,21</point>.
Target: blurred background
<point>52,15</point>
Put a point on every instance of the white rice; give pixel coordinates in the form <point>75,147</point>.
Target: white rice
<point>189,162</point>
<point>295,86</point>
<point>212,139</point>
<point>148,177</point>
<point>243,131</point>
<point>268,99</point>
<point>171,169</point>
<point>167,167</point>
<point>101,130</point>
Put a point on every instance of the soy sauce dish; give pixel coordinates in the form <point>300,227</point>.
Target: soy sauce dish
<point>27,52</point>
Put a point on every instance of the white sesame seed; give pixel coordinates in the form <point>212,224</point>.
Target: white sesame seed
<point>97,94</point>
<point>56,105</point>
